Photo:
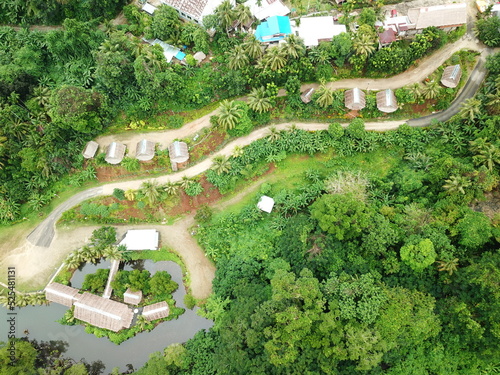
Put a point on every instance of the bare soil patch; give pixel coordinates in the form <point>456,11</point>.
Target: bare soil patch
<point>189,204</point>
<point>207,146</point>
<point>491,206</point>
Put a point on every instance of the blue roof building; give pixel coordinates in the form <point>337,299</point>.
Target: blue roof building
<point>273,29</point>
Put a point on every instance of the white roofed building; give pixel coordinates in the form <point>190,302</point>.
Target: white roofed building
<point>267,8</point>
<point>314,30</point>
<point>148,8</point>
<point>141,239</point>
<point>194,10</point>
<point>265,204</point>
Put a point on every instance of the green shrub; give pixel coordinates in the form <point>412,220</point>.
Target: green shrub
<point>194,189</point>
<point>119,194</point>
<point>204,214</point>
<point>189,301</point>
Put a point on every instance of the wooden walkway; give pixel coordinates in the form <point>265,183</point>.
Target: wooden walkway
<point>112,272</point>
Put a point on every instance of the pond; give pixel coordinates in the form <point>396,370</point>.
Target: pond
<point>41,323</point>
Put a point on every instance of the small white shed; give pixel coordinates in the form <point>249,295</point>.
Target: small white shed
<point>265,204</point>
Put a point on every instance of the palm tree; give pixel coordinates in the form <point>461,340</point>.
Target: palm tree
<point>274,134</point>
<point>415,90</point>
<point>318,55</point>
<point>229,114</point>
<point>488,156</point>
<point>130,195</point>
<point>237,151</point>
<point>225,15</point>
<point>324,97</point>
<point>22,300</point>
<point>252,46</point>
<point>257,100</point>
<point>185,182</point>
<point>294,46</point>
<point>274,58</point>
<point>171,188</point>
<point>363,44</point>
<point>221,164</point>
<point>42,95</point>
<point>238,58</point>
<point>450,265</point>
<point>242,14</point>
<point>72,262</point>
<point>431,90</point>
<point>457,184</point>
<point>470,109</point>
<point>141,322</point>
<point>113,253</point>
<point>494,101</point>
<point>151,192</point>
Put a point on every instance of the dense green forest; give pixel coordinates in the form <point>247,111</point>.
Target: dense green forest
<point>381,258</point>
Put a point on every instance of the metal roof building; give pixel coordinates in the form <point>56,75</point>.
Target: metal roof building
<point>451,76</point>
<point>63,294</point>
<point>194,10</point>
<point>90,149</point>
<point>314,30</point>
<point>275,28</point>
<point>441,16</point>
<point>267,8</point>
<point>145,150</point>
<point>386,101</point>
<point>178,153</point>
<point>115,153</point>
<point>306,96</point>
<point>354,99</point>
<point>156,311</point>
<point>132,298</point>
<point>102,312</point>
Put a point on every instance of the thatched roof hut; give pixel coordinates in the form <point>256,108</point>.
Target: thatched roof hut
<point>63,294</point>
<point>451,76</point>
<point>90,149</point>
<point>355,99</point>
<point>178,153</point>
<point>133,298</point>
<point>386,101</point>
<point>306,96</point>
<point>102,312</point>
<point>156,311</point>
<point>115,153</point>
<point>145,150</point>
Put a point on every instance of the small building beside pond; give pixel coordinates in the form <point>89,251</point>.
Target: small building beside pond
<point>145,150</point>
<point>386,101</point>
<point>90,149</point>
<point>156,311</point>
<point>179,155</point>
<point>132,298</point>
<point>63,294</point>
<point>141,239</point>
<point>115,153</point>
<point>354,99</point>
<point>451,76</point>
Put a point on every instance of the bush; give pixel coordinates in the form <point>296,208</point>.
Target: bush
<point>194,189</point>
<point>119,194</point>
<point>189,301</point>
<point>204,214</point>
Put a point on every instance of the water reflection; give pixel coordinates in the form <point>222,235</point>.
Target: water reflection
<point>41,323</point>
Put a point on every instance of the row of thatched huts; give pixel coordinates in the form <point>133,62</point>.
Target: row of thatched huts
<point>145,151</point>
<point>103,312</point>
<point>354,99</point>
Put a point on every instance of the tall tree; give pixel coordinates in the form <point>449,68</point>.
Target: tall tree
<point>258,100</point>
<point>229,114</point>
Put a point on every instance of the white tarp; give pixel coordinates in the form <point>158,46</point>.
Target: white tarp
<point>141,239</point>
<point>266,204</point>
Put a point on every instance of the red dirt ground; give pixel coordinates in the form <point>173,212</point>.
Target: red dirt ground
<point>210,195</point>
<point>206,147</point>
<point>114,173</point>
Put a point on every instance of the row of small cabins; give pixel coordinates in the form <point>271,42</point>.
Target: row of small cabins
<point>145,151</point>
<point>103,312</point>
<point>354,99</point>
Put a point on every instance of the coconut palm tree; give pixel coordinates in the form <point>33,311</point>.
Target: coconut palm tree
<point>238,58</point>
<point>318,55</point>
<point>416,90</point>
<point>324,97</point>
<point>225,14</point>
<point>274,134</point>
<point>141,322</point>
<point>112,252</point>
<point>294,46</point>
<point>363,44</point>
<point>456,184</point>
<point>185,182</point>
<point>431,90</point>
<point>252,47</point>
<point>450,265</point>
<point>488,156</point>
<point>72,262</point>
<point>274,58</point>
<point>257,100</point>
<point>494,102</point>
<point>470,109</point>
<point>221,164</point>
<point>22,299</point>
<point>171,188</point>
<point>242,14</point>
<point>151,192</point>
<point>229,114</point>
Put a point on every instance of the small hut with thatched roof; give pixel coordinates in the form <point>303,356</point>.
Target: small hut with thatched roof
<point>115,153</point>
<point>179,155</point>
<point>451,76</point>
<point>156,311</point>
<point>90,149</point>
<point>145,150</point>
<point>63,294</point>
<point>306,96</point>
<point>132,298</point>
<point>102,312</point>
<point>386,101</point>
<point>355,99</point>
